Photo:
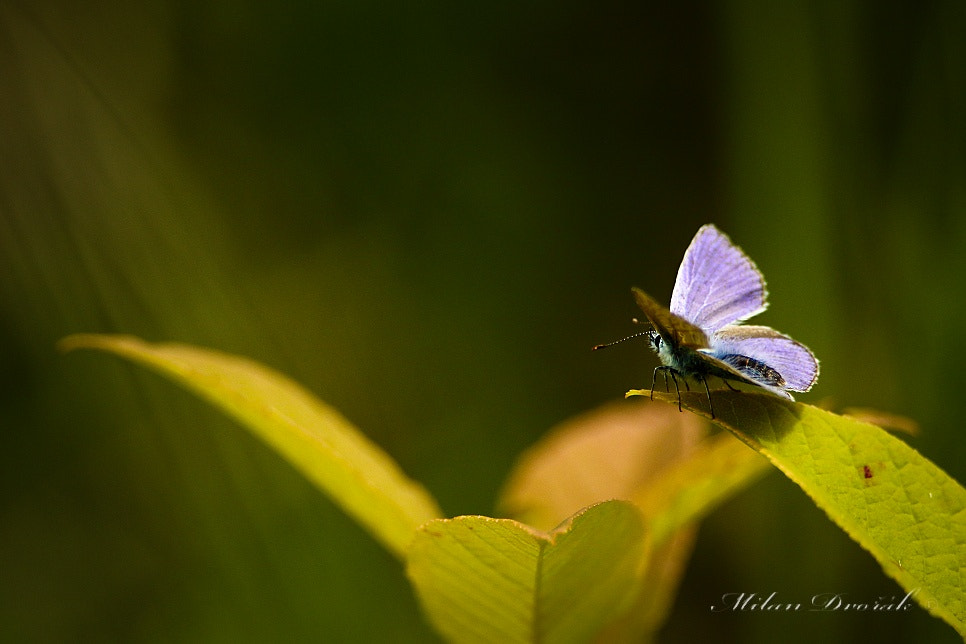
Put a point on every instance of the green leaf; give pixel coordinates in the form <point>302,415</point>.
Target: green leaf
<point>498,580</point>
<point>898,505</point>
<point>315,438</point>
<point>648,453</point>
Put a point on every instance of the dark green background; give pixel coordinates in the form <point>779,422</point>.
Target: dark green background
<point>428,215</point>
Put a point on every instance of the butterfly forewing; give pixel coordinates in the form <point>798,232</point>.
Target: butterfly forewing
<point>717,284</point>
<point>796,364</point>
<point>674,329</point>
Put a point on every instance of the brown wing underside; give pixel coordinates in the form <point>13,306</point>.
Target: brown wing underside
<point>673,328</point>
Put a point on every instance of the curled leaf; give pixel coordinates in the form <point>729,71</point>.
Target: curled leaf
<point>498,580</point>
<point>312,436</point>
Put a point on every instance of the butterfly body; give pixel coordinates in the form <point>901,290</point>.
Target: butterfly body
<point>687,362</point>
<point>682,360</point>
<point>701,334</point>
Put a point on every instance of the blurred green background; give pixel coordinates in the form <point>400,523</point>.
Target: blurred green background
<point>428,214</point>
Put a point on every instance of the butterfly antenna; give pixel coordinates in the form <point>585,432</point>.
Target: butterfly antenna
<point>610,344</point>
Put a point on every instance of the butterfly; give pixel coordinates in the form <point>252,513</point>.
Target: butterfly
<point>700,335</point>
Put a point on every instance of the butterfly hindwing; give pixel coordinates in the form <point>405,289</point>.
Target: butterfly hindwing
<point>763,345</point>
<point>739,368</point>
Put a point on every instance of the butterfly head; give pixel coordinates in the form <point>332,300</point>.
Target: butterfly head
<point>660,346</point>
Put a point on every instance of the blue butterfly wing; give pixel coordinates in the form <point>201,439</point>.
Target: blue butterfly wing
<point>717,284</point>
<point>760,353</point>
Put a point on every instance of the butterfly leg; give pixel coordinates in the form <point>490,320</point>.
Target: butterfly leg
<point>732,388</point>
<point>663,369</point>
<point>708,391</point>
<point>676,387</point>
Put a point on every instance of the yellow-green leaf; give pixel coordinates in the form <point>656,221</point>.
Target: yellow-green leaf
<point>902,508</point>
<point>673,501</point>
<point>498,580</point>
<point>648,453</point>
<point>315,438</point>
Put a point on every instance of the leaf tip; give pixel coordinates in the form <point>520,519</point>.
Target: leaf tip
<point>74,341</point>
<point>102,341</point>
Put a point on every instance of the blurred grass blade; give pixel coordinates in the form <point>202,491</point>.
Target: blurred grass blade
<point>884,419</point>
<point>898,505</point>
<point>315,438</point>
<point>498,580</point>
